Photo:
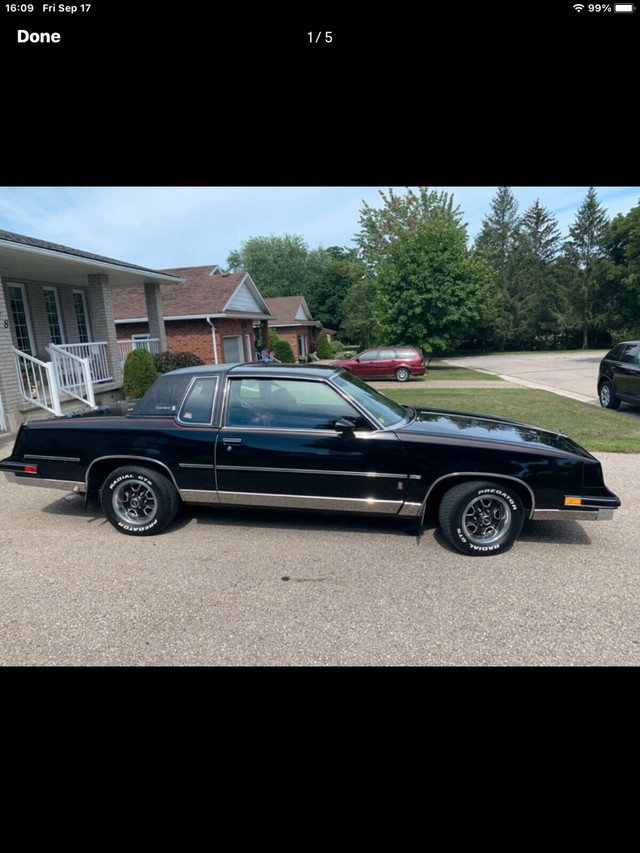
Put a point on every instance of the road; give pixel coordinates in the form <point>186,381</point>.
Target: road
<point>225,588</point>
<point>572,374</point>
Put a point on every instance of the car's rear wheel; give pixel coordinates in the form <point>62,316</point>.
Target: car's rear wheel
<point>402,374</point>
<point>481,518</point>
<point>139,501</point>
<point>607,396</point>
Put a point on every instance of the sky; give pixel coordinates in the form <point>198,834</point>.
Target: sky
<point>171,227</point>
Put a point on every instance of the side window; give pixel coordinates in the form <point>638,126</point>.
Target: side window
<point>387,353</point>
<point>288,404</point>
<point>616,352</point>
<point>372,355</point>
<point>630,354</point>
<point>198,404</point>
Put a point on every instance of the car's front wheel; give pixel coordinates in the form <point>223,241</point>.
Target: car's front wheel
<point>139,501</point>
<point>402,374</point>
<point>481,518</point>
<point>607,396</point>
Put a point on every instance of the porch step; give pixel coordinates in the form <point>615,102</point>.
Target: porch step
<point>105,395</point>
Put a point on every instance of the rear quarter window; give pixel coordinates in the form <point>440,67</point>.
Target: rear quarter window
<point>198,404</point>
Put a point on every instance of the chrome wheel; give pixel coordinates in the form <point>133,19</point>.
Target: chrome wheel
<point>481,518</point>
<point>486,520</point>
<point>139,501</point>
<point>135,502</point>
<point>402,374</point>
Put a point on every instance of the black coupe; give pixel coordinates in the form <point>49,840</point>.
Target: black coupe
<point>310,438</point>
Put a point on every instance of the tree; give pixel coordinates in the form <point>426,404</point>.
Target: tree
<point>334,271</point>
<point>620,292</point>
<point>585,250</point>
<point>361,316</point>
<point>497,243</point>
<point>542,300</point>
<point>434,293</point>
<point>399,215</point>
<point>278,265</point>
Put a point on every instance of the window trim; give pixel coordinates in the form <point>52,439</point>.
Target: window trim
<point>27,315</point>
<point>49,288</point>
<point>85,310</point>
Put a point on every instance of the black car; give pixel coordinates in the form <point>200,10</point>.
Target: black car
<point>310,438</point>
<point>619,376</point>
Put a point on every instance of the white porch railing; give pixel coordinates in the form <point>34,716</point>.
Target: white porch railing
<point>96,354</point>
<point>38,382</point>
<point>73,373</point>
<point>125,347</point>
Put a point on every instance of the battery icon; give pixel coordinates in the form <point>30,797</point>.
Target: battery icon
<point>624,7</point>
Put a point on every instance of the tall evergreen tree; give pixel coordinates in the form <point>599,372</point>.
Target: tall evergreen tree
<point>586,250</point>
<point>497,243</point>
<point>541,296</point>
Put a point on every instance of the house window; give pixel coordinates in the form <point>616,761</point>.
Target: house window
<point>20,316</point>
<point>232,348</point>
<point>82,316</point>
<point>52,307</point>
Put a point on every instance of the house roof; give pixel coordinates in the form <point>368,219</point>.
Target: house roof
<point>290,311</point>
<point>34,259</point>
<point>206,292</point>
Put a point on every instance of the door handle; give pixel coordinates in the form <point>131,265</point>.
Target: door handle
<point>232,441</point>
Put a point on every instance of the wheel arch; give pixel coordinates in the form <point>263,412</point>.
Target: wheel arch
<point>442,485</point>
<point>100,468</point>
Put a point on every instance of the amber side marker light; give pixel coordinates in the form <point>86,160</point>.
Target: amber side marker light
<point>572,501</point>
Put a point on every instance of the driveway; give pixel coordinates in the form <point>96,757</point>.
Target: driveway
<point>571,374</point>
<point>227,588</point>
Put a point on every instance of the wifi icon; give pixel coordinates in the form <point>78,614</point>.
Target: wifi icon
<point>578,7</point>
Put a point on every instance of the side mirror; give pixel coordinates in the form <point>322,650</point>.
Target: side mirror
<point>344,425</point>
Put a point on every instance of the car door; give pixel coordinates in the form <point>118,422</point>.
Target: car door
<point>386,363</point>
<point>365,365</point>
<point>287,443</point>
<point>627,373</point>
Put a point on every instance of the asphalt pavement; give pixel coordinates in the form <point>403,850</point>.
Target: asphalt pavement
<point>225,588</point>
<point>572,374</point>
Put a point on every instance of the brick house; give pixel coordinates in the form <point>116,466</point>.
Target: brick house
<point>58,340</point>
<point>211,314</point>
<point>292,321</point>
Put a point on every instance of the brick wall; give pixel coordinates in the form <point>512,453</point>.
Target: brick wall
<point>194,336</point>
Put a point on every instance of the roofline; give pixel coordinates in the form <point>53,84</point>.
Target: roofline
<point>85,260</point>
<point>230,316</point>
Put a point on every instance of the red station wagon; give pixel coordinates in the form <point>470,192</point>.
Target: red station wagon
<point>401,363</point>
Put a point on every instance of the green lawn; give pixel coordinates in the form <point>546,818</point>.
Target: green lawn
<point>444,372</point>
<point>591,426</point>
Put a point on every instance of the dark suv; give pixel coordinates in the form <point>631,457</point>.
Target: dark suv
<point>400,363</point>
<point>619,376</point>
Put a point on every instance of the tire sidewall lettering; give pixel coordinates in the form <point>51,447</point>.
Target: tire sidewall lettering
<point>500,494</point>
<point>122,477</point>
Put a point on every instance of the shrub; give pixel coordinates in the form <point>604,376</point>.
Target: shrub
<point>323,347</point>
<point>166,361</point>
<point>273,338</point>
<point>283,352</point>
<point>139,373</point>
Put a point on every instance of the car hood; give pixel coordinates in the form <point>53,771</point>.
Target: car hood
<point>488,429</point>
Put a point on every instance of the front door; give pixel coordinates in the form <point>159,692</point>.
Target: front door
<point>280,446</point>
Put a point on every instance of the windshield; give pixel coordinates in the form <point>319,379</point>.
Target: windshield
<point>387,412</point>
